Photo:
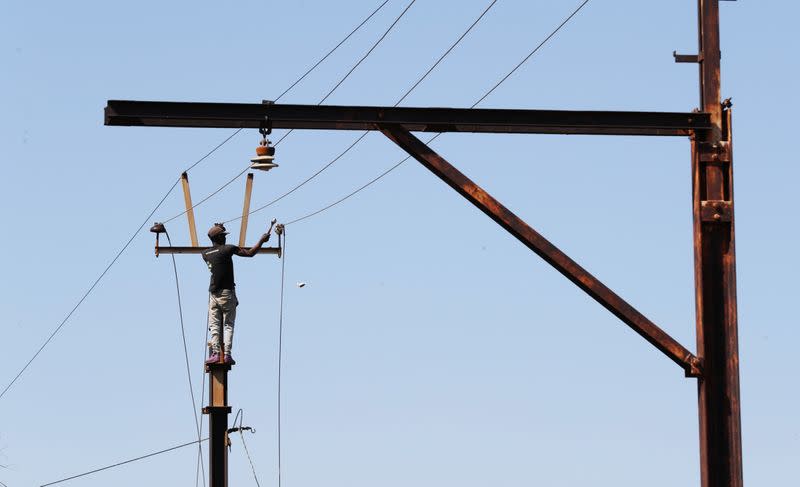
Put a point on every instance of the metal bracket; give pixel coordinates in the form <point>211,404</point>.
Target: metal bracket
<point>716,211</point>
<point>216,409</point>
<point>715,152</point>
<point>687,58</point>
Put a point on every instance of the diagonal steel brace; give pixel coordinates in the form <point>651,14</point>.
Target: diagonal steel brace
<point>542,247</point>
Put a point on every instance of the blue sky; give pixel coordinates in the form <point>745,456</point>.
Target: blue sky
<point>429,347</point>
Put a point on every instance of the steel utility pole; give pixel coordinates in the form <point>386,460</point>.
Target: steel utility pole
<point>218,411</point>
<point>716,363</point>
<point>715,270</point>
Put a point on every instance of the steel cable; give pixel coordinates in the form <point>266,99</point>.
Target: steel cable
<point>89,291</point>
<point>280,352</point>
<point>125,462</point>
<point>352,69</point>
<point>147,219</point>
<point>199,405</point>
<point>400,100</point>
<point>186,357</point>
<point>240,417</point>
<point>483,97</point>
<point>331,51</point>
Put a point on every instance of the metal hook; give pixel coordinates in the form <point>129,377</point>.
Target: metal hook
<point>266,126</point>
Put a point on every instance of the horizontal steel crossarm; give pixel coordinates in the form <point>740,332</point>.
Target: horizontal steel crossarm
<point>329,117</point>
<point>546,250</point>
<point>200,250</point>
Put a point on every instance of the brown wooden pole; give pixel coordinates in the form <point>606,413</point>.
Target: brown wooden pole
<point>715,271</point>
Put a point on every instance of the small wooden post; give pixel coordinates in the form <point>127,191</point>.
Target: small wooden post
<point>187,198</point>
<point>248,190</point>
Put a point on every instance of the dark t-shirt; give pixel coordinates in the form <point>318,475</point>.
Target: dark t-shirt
<point>220,264</point>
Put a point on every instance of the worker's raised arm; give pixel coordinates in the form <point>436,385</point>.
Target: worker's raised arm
<point>254,249</point>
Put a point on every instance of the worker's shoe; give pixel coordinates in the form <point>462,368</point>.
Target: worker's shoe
<point>213,359</point>
<point>229,360</point>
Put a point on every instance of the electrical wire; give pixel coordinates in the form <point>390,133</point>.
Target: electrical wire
<point>186,357</point>
<point>191,166</point>
<point>331,51</point>
<point>280,352</point>
<point>339,83</point>
<point>199,406</point>
<point>358,63</point>
<point>208,197</point>
<point>400,100</point>
<point>125,462</point>
<point>89,291</point>
<point>483,97</point>
<point>298,80</point>
<point>534,51</point>
<point>240,428</point>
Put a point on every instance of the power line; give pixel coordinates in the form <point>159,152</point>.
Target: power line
<point>202,388</point>
<point>358,63</point>
<point>147,219</point>
<point>125,462</point>
<point>209,196</point>
<point>280,353</point>
<point>483,97</point>
<point>534,51</point>
<point>342,80</point>
<point>400,100</point>
<point>331,51</point>
<point>89,291</point>
<point>241,429</point>
<point>186,357</point>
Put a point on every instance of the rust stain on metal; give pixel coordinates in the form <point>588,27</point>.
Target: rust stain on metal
<point>542,247</point>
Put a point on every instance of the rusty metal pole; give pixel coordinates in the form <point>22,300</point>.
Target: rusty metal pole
<point>715,271</point>
<point>218,411</point>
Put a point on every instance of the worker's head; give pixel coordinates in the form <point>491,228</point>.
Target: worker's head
<point>217,233</point>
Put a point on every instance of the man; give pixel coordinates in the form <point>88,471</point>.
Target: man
<point>222,300</point>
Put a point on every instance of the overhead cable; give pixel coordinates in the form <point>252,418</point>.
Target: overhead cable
<point>186,357</point>
<point>358,63</point>
<point>89,291</point>
<point>280,352</point>
<point>241,429</point>
<point>400,100</point>
<point>352,69</point>
<point>147,219</point>
<point>483,97</point>
<point>323,58</point>
<point>125,462</point>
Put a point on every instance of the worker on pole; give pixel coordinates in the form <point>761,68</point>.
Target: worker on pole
<point>222,300</point>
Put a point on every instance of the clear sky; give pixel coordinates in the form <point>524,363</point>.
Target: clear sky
<point>428,347</point>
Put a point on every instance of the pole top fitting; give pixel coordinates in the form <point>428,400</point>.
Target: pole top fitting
<point>158,228</point>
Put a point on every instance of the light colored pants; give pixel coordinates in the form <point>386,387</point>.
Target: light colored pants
<point>221,314</point>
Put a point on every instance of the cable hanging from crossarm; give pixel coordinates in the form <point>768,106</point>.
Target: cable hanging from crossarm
<point>358,63</point>
<point>186,358</point>
<point>237,176</point>
<point>366,132</point>
<point>280,230</point>
<point>241,429</point>
<point>200,469</point>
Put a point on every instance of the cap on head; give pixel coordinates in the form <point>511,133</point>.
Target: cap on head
<point>217,230</point>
